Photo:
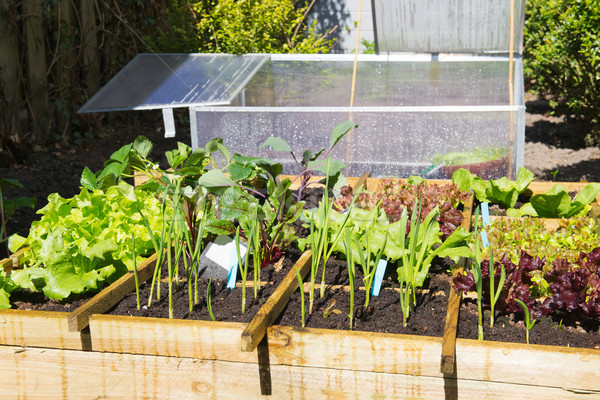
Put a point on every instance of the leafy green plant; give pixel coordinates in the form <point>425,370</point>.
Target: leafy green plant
<point>503,191</point>
<point>81,242</point>
<point>311,161</point>
<point>557,203</point>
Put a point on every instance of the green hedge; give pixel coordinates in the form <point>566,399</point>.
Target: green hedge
<point>240,26</point>
<point>562,57</point>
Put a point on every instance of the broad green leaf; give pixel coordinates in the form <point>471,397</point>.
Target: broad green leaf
<point>88,179</point>
<point>12,205</point>
<point>553,204</point>
<point>524,178</point>
<point>15,242</point>
<point>240,172</point>
<point>216,144</point>
<point>122,154</point>
<point>277,144</point>
<point>587,194</point>
<point>4,299</point>
<point>416,180</point>
<point>462,178</point>
<point>480,187</point>
<point>526,209</point>
<point>502,192</point>
<point>215,178</point>
<point>197,158</point>
<point>62,281</point>
<point>335,166</point>
<point>142,146</point>
<point>100,249</point>
<point>339,131</point>
<point>271,167</point>
<point>6,183</point>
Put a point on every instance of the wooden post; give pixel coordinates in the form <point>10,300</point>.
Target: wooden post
<point>37,82</point>
<point>89,46</point>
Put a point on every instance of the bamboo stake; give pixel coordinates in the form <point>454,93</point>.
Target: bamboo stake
<point>353,85</point>
<point>511,94</point>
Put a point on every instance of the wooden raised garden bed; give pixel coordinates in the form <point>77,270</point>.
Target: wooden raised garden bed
<point>63,330</point>
<point>136,357</point>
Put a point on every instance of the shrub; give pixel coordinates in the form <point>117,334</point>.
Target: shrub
<point>241,26</point>
<point>562,57</point>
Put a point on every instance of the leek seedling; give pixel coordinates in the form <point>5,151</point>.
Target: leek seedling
<point>414,247</point>
<point>135,273</point>
<point>529,321</point>
<point>209,300</point>
<point>368,266</point>
<point>351,273</point>
<point>302,302</point>
<point>495,291</point>
<point>243,267</point>
<point>322,246</point>
<point>477,276</point>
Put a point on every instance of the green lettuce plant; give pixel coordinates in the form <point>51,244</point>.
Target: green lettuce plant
<point>557,203</point>
<point>81,242</point>
<point>503,191</point>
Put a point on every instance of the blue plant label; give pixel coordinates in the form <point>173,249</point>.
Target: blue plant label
<point>485,213</point>
<point>379,273</point>
<point>233,268</point>
<point>485,216</point>
<point>484,239</point>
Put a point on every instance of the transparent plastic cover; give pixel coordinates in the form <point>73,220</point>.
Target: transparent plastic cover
<point>154,81</point>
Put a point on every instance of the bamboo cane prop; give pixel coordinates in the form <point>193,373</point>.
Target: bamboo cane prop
<point>353,85</point>
<point>511,94</point>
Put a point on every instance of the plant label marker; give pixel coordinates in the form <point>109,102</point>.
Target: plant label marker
<point>233,268</point>
<point>485,216</point>
<point>216,259</point>
<point>169,120</point>
<point>379,273</point>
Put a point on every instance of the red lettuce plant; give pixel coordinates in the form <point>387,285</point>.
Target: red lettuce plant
<point>573,287</point>
<point>394,195</point>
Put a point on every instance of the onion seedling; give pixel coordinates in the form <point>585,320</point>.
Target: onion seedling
<point>475,267</point>
<point>243,267</point>
<point>135,273</point>
<point>351,273</point>
<point>368,266</point>
<point>302,302</point>
<point>495,291</point>
<point>416,253</point>
<point>529,321</point>
<point>209,300</point>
